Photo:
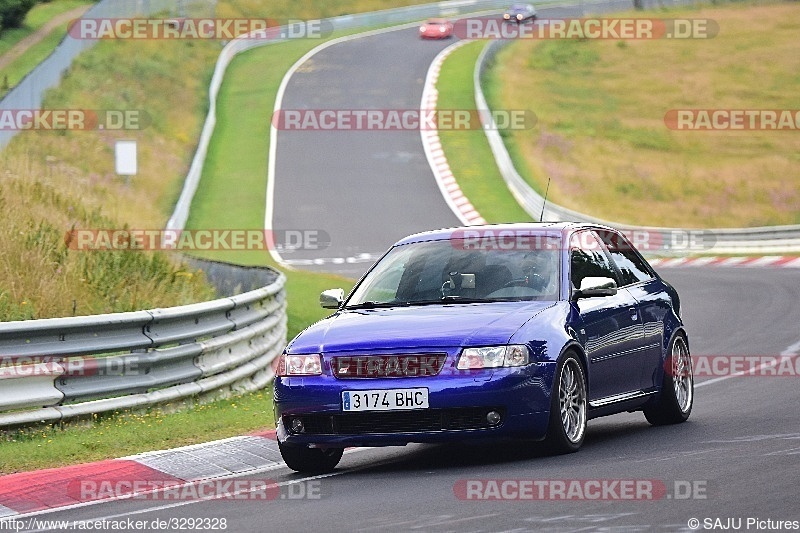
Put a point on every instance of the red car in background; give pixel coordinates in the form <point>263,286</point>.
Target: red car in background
<point>436,29</point>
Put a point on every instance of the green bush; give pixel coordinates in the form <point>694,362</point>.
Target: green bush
<point>12,12</point>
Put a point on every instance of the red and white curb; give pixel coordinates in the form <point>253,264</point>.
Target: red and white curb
<point>775,261</point>
<point>432,145</point>
<point>41,491</point>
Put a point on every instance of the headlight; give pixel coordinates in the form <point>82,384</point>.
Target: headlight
<point>506,16</point>
<point>299,365</point>
<point>494,357</point>
<point>422,28</point>
<point>519,17</point>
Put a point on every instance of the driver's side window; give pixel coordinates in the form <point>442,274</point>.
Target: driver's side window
<point>588,259</point>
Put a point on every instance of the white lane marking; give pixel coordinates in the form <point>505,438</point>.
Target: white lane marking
<point>425,519</point>
<point>6,512</point>
<point>793,349</point>
<point>756,438</point>
<point>451,520</point>
<point>789,451</point>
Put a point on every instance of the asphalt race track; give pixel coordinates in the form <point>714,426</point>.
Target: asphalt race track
<point>365,189</point>
<point>736,457</point>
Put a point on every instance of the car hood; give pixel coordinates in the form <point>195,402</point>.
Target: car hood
<point>428,326</point>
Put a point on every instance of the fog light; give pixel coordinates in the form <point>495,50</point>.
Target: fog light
<point>493,417</point>
<point>297,425</point>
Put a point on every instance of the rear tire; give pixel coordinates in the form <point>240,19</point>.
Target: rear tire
<point>310,460</point>
<point>677,388</point>
<point>568,409</point>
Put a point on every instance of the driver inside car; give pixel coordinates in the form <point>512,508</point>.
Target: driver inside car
<point>540,270</point>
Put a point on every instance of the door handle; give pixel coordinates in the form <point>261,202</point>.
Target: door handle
<point>634,313</point>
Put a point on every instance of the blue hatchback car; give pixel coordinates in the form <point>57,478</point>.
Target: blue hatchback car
<point>521,331</point>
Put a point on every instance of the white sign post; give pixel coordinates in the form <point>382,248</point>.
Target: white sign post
<point>125,159</point>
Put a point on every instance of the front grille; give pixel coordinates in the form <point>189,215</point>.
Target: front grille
<point>387,366</point>
<point>416,421</point>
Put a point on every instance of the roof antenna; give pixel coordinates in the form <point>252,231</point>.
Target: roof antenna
<point>541,217</point>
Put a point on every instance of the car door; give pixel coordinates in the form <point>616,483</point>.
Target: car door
<point>651,300</point>
<point>609,326</point>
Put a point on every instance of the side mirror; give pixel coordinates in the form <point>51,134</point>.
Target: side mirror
<point>331,299</point>
<point>595,286</point>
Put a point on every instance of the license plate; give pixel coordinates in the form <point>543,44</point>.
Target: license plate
<point>385,400</point>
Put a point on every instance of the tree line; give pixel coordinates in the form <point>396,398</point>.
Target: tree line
<point>12,12</point>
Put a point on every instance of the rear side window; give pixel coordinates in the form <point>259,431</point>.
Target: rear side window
<point>632,267</point>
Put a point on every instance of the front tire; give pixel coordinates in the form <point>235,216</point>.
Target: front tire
<point>568,409</point>
<point>677,388</point>
<point>310,460</point>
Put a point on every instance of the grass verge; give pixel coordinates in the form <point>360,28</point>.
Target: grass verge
<point>54,181</point>
<point>468,152</point>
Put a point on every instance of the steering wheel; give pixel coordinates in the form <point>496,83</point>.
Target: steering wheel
<point>535,281</point>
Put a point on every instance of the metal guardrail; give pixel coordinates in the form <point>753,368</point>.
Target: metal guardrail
<point>59,368</point>
<point>756,240</point>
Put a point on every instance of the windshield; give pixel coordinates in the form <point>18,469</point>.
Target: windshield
<point>448,271</point>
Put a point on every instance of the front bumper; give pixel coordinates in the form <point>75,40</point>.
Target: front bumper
<point>457,408</point>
